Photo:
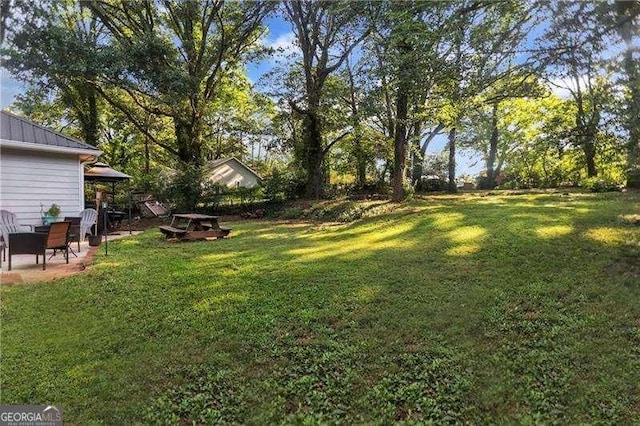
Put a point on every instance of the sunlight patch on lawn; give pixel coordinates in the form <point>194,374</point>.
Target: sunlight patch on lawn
<point>554,231</point>
<point>467,238</point>
<point>219,302</point>
<point>367,293</point>
<point>467,234</point>
<point>447,220</point>
<point>583,210</point>
<point>605,235</point>
<point>357,247</point>
<point>463,250</point>
<point>130,242</point>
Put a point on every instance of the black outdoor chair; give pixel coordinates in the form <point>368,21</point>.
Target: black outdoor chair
<point>74,231</point>
<point>39,242</point>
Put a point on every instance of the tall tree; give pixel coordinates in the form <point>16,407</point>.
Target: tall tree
<point>168,58</point>
<point>53,46</point>
<point>575,64</point>
<point>628,27</point>
<point>406,47</point>
<point>326,33</point>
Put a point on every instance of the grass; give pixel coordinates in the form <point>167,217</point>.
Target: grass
<point>496,309</point>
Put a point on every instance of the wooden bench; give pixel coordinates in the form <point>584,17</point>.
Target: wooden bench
<point>172,232</point>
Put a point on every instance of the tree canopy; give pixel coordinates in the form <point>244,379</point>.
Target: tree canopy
<point>545,93</point>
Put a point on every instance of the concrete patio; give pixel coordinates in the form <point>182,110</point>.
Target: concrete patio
<point>25,270</point>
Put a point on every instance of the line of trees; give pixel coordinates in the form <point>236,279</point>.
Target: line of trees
<point>547,93</point>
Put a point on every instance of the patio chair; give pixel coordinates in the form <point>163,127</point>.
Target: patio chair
<point>88,219</point>
<point>74,231</point>
<point>38,242</point>
<point>8,224</point>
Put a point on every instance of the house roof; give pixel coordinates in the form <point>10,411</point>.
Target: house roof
<point>220,161</point>
<point>19,129</point>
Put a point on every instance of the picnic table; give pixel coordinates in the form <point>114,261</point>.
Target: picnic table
<point>194,226</point>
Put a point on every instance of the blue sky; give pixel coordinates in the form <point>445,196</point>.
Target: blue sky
<point>279,36</point>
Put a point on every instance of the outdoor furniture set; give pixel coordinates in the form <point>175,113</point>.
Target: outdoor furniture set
<point>56,236</point>
<point>193,226</point>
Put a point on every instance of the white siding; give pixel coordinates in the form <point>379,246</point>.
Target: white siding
<point>31,178</point>
<point>233,174</point>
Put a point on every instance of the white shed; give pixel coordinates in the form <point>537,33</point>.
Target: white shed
<point>38,167</point>
<point>232,173</point>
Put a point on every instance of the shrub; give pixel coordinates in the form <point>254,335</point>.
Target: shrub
<point>633,177</point>
<point>181,188</point>
<point>408,190</point>
<point>431,184</point>
<point>598,184</point>
<point>282,185</point>
<point>212,194</point>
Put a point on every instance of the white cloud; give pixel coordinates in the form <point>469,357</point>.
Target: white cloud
<point>284,44</point>
<point>562,86</point>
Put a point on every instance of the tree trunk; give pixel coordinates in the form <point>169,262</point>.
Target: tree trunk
<point>147,157</point>
<point>627,12</point>
<point>361,160</point>
<point>633,107</point>
<point>82,99</point>
<point>493,148</point>
<point>189,143</point>
<point>451,188</point>
<point>590,156</point>
<point>417,158</point>
<point>359,154</point>
<point>314,156</point>
<point>91,131</point>
<point>400,143</point>
<point>633,118</point>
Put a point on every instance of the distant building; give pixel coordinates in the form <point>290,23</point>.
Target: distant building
<point>232,173</point>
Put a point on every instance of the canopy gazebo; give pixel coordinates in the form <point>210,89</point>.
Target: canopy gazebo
<point>102,172</point>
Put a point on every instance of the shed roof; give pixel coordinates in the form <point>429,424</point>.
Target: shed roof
<point>220,161</point>
<point>20,129</point>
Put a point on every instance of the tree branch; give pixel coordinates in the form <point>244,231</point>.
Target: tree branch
<point>325,151</point>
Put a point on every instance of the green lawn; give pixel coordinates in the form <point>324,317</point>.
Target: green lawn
<point>497,309</point>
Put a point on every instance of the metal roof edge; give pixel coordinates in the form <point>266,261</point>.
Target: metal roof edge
<point>29,146</point>
<point>46,129</point>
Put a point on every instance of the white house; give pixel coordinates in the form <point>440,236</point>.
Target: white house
<point>232,173</point>
<point>38,167</point>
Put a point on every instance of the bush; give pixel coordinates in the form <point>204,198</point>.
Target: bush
<point>597,184</point>
<point>282,186</point>
<point>633,177</point>
<point>431,184</point>
<point>334,211</point>
<point>212,194</point>
<point>182,188</point>
<point>408,191</point>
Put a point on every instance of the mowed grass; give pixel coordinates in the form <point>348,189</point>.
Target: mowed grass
<point>496,309</point>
